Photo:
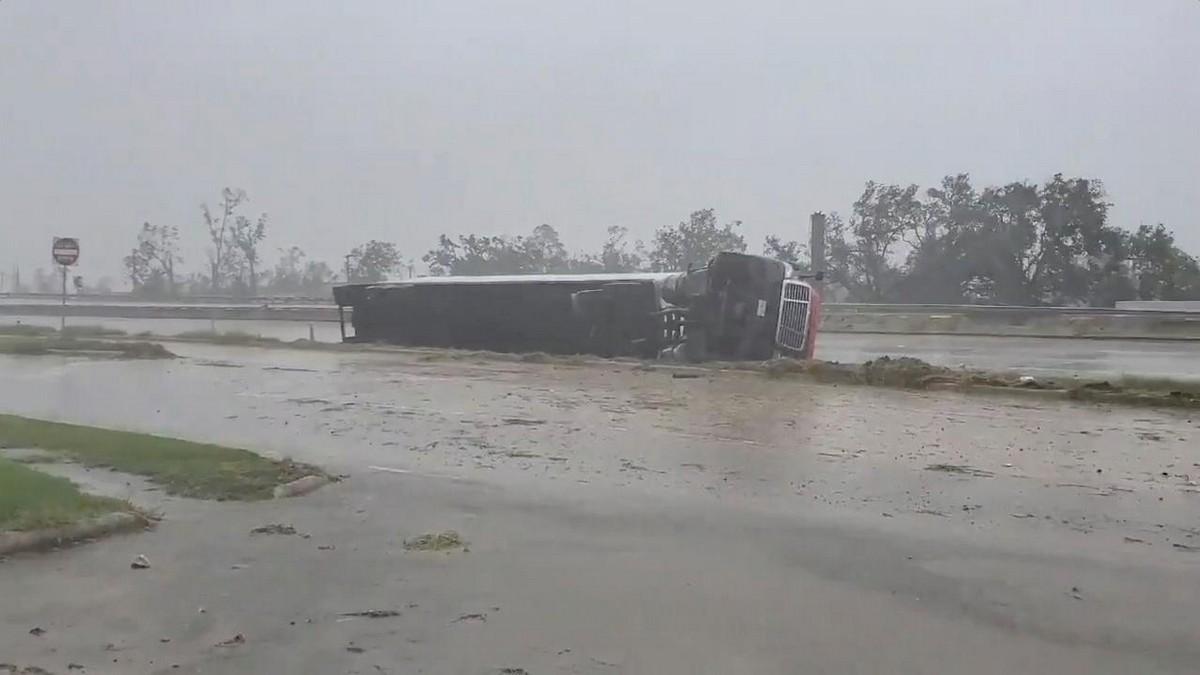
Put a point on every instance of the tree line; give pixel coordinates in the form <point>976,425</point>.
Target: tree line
<point>1020,243</point>
<point>234,259</point>
<point>1016,244</point>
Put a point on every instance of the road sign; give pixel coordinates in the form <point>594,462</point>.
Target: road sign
<point>65,250</point>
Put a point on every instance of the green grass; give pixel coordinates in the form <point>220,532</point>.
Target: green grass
<point>199,470</point>
<point>92,331</point>
<point>31,500</point>
<point>225,338</point>
<point>41,345</point>
<point>29,330</point>
<point>24,329</point>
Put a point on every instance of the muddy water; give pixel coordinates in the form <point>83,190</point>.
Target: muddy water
<point>993,465</point>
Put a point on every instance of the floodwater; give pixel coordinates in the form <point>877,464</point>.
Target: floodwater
<point>734,433</point>
<point>624,520</point>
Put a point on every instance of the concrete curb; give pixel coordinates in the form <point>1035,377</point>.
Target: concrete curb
<point>300,486</point>
<point>16,542</point>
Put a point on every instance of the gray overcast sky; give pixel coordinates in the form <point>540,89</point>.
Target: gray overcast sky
<point>348,121</point>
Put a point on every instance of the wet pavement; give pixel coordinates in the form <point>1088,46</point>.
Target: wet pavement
<point>622,520</point>
<point>1059,357</point>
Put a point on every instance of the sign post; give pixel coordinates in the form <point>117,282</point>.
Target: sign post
<point>65,252</point>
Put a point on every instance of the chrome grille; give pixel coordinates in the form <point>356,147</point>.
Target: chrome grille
<point>794,305</point>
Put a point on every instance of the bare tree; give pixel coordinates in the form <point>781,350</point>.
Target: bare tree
<point>246,236</point>
<point>219,226</point>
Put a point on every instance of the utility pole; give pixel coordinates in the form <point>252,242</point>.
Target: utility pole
<point>816,245</point>
<point>348,257</point>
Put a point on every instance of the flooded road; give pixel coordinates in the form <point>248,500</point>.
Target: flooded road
<point>653,523</point>
<point>1059,357</point>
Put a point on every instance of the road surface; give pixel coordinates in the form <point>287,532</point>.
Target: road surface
<point>620,521</point>
<point>1094,358</point>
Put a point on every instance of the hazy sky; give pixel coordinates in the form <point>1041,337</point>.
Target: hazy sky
<point>396,120</point>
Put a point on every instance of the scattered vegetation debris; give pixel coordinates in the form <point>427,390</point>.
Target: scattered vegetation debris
<point>1187,548</point>
<point>477,616</point>
<point>140,563</point>
<point>686,376</point>
<point>37,631</point>
<point>274,528</point>
<point>373,613</point>
<point>523,422</point>
<point>961,469</point>
<point>513,671</point>
<point>1149,436</point>
<point>1134,540</point>
<point>238,639</point>
<point>326,547</point>
<point>354,649</point>
<point>447,540</point>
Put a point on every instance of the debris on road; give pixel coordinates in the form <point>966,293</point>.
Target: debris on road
<point>274,528</point>
<point>480,617</point>
<point>27,670</point>
<point>436,541</point>
<point>1187,548</point>
<point>522,422</point>
<point>37,631</point>
<point>238,639</point>
<point>960,468</point>
<point>140,563</point>
<point>373,613</point>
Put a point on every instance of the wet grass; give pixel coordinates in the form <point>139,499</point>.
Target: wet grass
<point>91,331</point>
<point>225,337</point>
<point>30,500</point>
<point>199,470</point>
<point>448,540</point>
<point>24,329</point>
<point>909,373</point>
<point>28,330</point>
<point>42,345</point>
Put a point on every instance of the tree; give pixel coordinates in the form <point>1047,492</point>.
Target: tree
<point>614,255</point>
<point>539,253</point>
<point>245,237</point>
<point>861,252</point>
<point>694,241</point>
<point>1047,244</point>
<point>792,252</point>
<point>218,226</point>
<point>295,274</point>
<point>1159,269</point>
<point>151,264</point>
<point>372,261</point>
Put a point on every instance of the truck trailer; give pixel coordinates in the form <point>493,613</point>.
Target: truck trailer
<point>737,307</point>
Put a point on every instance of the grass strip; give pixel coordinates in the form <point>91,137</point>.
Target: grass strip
<point>199,470</point>
<point>42,345</point>
<point>32,500</point>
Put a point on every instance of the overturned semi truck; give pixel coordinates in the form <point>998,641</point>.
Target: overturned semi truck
<point>738,307</point>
